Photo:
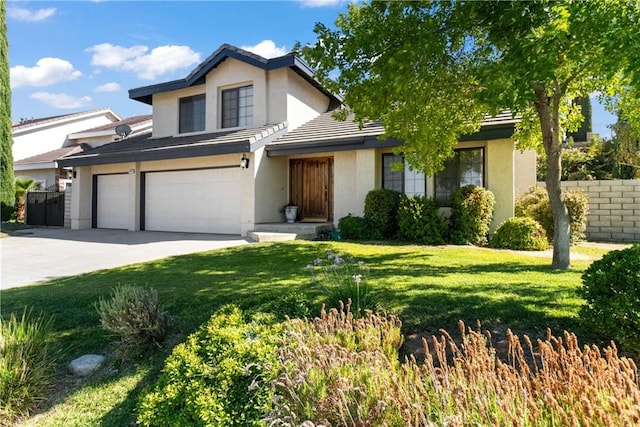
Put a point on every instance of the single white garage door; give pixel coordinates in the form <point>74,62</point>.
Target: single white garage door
<point>198,201</point>
<point>113,201</point>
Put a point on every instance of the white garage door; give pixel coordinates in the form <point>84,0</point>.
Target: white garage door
<point>199,201</point>
<point>113,201</point>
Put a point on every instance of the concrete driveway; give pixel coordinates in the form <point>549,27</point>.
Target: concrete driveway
<point>40,254</point>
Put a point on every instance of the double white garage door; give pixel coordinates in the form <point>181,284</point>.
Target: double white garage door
<point>199,201</point>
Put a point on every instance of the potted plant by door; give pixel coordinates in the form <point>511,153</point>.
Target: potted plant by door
<point>291,212</point>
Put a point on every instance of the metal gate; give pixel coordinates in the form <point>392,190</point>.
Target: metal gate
<point>45,208</point>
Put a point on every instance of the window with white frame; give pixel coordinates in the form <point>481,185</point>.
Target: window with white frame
<point>407,181</point>
<point>465,168</point>
<point>192,114</point>
<point>237,107</point>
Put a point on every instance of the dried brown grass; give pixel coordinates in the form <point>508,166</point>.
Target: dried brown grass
<point>342,371</point>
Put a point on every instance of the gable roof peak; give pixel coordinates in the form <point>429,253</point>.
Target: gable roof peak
<point>225,51</point>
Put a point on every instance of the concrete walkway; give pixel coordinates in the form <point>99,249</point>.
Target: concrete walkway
<point>39,254</point>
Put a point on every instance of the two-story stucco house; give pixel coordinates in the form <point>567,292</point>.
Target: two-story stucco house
<point>242,135</point>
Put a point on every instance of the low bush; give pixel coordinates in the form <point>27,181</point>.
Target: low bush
<point>419,221</point>
<point>133,314</point>
<point>26,365</point>
<point>381,213</point>
<point>535,204</point>
<point>221,375</point>
<point>471,213</point>
<point>523,234</point>
<point>353,227</point>
<point>291,305</point>
<point>611,289</point>
<point>344,281</point>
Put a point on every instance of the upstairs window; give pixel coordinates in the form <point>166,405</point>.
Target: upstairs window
<point>465,168</point>
<point>237,107</point>
<point>192,114</point>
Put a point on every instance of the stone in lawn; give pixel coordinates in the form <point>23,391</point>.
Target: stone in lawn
<point>86,365</point>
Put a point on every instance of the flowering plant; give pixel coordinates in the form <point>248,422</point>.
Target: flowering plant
<point>344,280</point>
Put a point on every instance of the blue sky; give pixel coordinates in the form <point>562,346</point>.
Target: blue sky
<point>70,56</point>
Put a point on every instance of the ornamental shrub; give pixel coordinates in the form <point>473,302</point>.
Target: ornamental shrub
<point>26,365</point>
<point>611,289</point>
<point>535,204</point>
<point>381,213</point>
<point>221,375</point>
<point>419,221</point>
<point>520,233</point>
<point>471,213</point>
<point>353,227</point>
<point>133,314</point>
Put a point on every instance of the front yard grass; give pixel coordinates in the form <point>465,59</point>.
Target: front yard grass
<point>427,287</point>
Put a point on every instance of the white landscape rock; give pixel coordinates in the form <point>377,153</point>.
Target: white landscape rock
<point>86,365</point>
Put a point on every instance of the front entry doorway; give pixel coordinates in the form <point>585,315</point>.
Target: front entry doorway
<point>311,188</point>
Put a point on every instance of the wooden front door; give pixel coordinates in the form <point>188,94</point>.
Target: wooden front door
<point>311,188</point>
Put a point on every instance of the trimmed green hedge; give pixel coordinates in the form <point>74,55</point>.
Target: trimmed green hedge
<point>611,289</point>
<point>381,213</point>
<point>471,213</point>
<point>419,221</point>
<point>523,234</point>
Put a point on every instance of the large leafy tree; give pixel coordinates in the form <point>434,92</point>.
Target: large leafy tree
<point>6,156</point>
<point>431,71</point>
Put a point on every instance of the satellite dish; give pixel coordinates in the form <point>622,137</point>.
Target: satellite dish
<point>123,130</point>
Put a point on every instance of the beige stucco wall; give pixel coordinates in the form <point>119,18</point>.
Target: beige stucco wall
<point>278,95</point>
<point>304,102</point>
<point>271,186</point>
<point>525,171</point>
<point>500,178</point>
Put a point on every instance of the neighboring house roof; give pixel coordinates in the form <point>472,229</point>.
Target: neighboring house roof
<point>48,159</point>
<point>34,124</point>
<point>141,123</point>
<point>197,76</point>
<point>145,148</point>
<point>325,133</point>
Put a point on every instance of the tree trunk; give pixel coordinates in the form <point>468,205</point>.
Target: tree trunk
<point>548,113</point>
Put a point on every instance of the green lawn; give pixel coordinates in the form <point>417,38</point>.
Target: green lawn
<point>428,287</point>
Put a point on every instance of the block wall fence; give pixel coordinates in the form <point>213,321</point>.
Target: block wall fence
<point>614,209</point>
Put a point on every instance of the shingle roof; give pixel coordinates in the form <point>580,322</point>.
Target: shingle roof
<point>51,156</point>
<point>324,133</point>
<point>143,147</point>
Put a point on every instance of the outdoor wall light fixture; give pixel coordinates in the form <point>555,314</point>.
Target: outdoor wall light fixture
<point>244,161</point>
<point>132,171</point>
<point>71,174</point>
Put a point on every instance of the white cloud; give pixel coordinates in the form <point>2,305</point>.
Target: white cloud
<point>26,15</point>
<point>108,87</point>
<point>321,3</point>
<point>267,49</point>
<point>48,71</point>
<point>161,60</point>
<point>61,100</point>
